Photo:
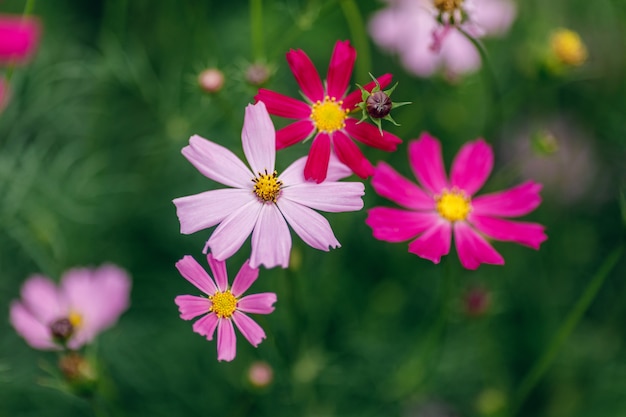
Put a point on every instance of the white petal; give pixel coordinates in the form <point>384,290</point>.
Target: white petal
<point>311,226</point>
<point>327,196</point>
<point>233,231</point>
<point>271,240</point>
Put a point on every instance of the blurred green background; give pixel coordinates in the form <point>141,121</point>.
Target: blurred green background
<point>90,161</point>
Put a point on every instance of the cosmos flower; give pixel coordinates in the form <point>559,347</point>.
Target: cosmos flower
<point>425,33</point>
<point>442,207</point>
<point>224,305</point>
<point>325,115</point>
<point>19,38</point>
<point>87,302</point>
<point>260,201</point>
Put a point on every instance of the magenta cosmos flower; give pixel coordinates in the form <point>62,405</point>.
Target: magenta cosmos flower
<point>86,302</point>
<point>261,201</point>
<point>325,115</point>
<point>224,304</point>
<point>442,207</point>
<point>18,38</point>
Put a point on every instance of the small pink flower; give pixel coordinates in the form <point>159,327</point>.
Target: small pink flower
<point>442,207</point>
<point>87,302</point>
<point>325,115</point>
<point>223,305</point>
<point>19,38</point>
<point>260,201</point>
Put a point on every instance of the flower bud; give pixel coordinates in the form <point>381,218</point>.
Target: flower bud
<point>260,374</point>
<point>62,330</point>
<point>211,80</point>
<point>378,105</point>
<point>257,74</point>
<point>79,374</point>
<point>477,302</point>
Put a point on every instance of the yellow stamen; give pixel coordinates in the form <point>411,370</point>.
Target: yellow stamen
<point>75,319</point>
<point>267,186</point>
<point>453,205</point>
<point>224,304</point>
<point>448,6</point>
<point>328,115</point>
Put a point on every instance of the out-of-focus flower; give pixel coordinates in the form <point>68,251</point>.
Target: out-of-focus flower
<point>258,73</point>
<point>87,302</point>
<point>19,37</point>
<point>476,301</point>
<point>261,202</point>
<point>491,402</point>
<point>79,373</point>
<point>211,80</point>
<point>224,304</point>
<point>425,33</point>
<point>326,114</point>
<point>442,207</point>
<point>260,374</point>
<point>567,47</point>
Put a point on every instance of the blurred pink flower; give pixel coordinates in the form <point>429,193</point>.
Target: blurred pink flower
<point>442,207</point>
<point>426,38</point>
<point>223,305</point>
<point>261,202</point>
<point>326,114</point>
<point>19,38</point>
<point>86,302</point>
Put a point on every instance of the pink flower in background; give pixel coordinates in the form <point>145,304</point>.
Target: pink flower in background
<point>19,38</point>
<point>442,207</point>
<point>424,32</point>
<point>260,201</point>
<point>223,307</point>
<point>326,114</point>
<point>86,302</point>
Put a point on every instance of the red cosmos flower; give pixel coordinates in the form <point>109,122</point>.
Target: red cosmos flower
<point>326,114</point>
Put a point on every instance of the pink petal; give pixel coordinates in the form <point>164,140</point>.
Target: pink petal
<point>112,285</point>
<point>262,303</point>
<point>294,133</point>
<point>258,138</point>
<point>191,306</point>
<point>311,226</point>
<point>528,234</point>
<point>217,163</point>
<point>41,297</point>
<point>459,55</point>
<point>473,249</point>
<point>206,325</point>
<point>249,328</point>
<point>317,162</point>
<point>472,166</point>
<point>355,97</point>
<point>427,163</point>
<point>226,341</point>
<point>306,75</point>
<point>204,210</point>
<point>370,135</point>
<point>328,196</point>
<point>514,202</point>
<point>219,272</point>
<point>30,328</point>
<point>245,277</point>
<point>494,16</point>
<point>234,230</point>
<point>337,170</point>
<point>271,240</point>
<point>395,225</point>
<point>340,69</point>
<point>388,183</point>
<point>19,37</point>
<point>283,106</point>
<point>351,155</point>
<point>191,270</point>
<point>434,243</point>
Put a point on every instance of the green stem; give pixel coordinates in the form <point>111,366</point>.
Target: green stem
<point>359,36</point>
<point>572,319</point>
<point>256,29</point>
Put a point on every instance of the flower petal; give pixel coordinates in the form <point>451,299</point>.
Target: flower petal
<point>370,135</point>
<point>234,230</point>
<point>340,69</point>
<point>294,133</point>
<point>201,211</point>
<point>434,243</point>
<point>283,106</point>
<point>262,303</point>
<point>472,166</point>
<point>30,328</point>
<point>473,249</point>
<point>294,173</point>
<point>41,297</point>
<point>388,183</point>
<point>317,161</point>
<point>217,163</point>
<point>351,155</point>
<point>395,225</point>
<point>191,306</point>
<point>219,272</point>
<point>514,202</point>
<point>249,328</point>
<point>528,234</point>
<point>112,284</point>
<point>427,163</point>
<point>206,325</point>
<point>494,16</point>
<point>245,277</point>
<point>306,75</point>
<point>311,226</point>
<point>226,341</point>
<point>191,270</point>
<point>328,196</point>
<point>19,37</point>
<point>355,97</point>
<point>258,138</point>
<point>459,55</point>
<point>271,240</point>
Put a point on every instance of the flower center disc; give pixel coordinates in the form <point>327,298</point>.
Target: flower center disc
<point>267,186</point>
<point>328,115</point>
<point>224,304</point>
<point>453,205</point>
<point>448,6</point>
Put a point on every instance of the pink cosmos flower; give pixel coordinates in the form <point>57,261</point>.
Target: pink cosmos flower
<point>87,302</point>
<point>19,38</point>
<point>442,207</point>
<point>424,32</point>
<point>223,305</point>
<point>326,114</point>
<point>260,201</point>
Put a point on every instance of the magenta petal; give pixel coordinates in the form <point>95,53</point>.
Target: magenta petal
<point>258,138</point>
<point>340,69</point>
<point>395,225</point>
<point>229,236</point>
<point>514,202</point>
<point>219,272</point>
<point>427,163</point>
<point>32,330</point>
<point>370,135</point>
<point>528,234</point>
<point>306,75</point>
<point>271,240</point>
<point>351,155</point>
<point>355,98</point>
<point>473,249</point>
<point>41,297</point>
<point>226,341</point>
<point>206,325</point>
<point>191,270</point>
<point>434,243</point>
<point>249,328</point>
<point>294,173</point>
<point>311,226</point>
<point>191,306</point>
<point>317,161</point>
<point>245,277</point>
<point>328,196</point>
<point>388,183</point>
<point>294,133</point>
<point>283,106</point>
<point>19,37</point>
<point>472,166</point>
<point>262,303</point>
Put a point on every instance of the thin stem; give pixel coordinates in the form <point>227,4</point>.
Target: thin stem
<point>256,29</point>
<point>359,36</point>
<point>572,319</point>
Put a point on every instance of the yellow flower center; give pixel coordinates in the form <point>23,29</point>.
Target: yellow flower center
<point>568,47</point>
<point>328,115</point>
<point>224,304</point>
<point>267,186</point>
<point>448,6</point>
<point>75,319</point>
<point>453,205</point>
